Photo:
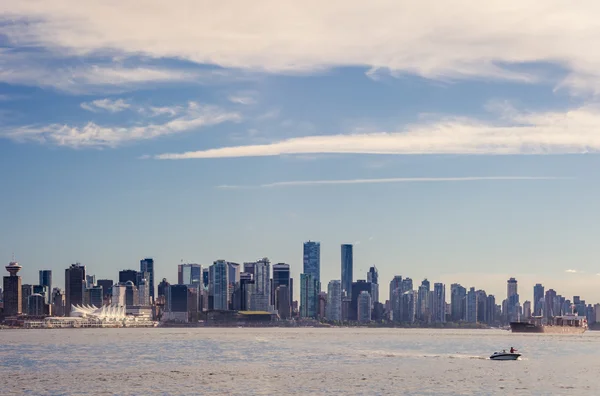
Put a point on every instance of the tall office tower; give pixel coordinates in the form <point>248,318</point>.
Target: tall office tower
<point>334,300</point>
<point>471,306</point>
<point>147,265</point>
<point>13,303</point>
<point>282,302</point>
<point>95,296</point>
<point>364,307</point>
<point>260,297</point>
<point>26,291</point>
<point>43,290</point>
<point>128,275</point>
<point>312,260</point>
<point>176,304</point>
<point>538,299</point>
<point>189,274</point>
<point>423,300</point>
<point>491,309</point>
<point>322,305</point>
<point>119,294</point>
<point>90,281</point>
<point>107,285</point>
<point>249,268</point>
<point>281,277</point>
<point>347,265</point>
<point>36,304</point>
<point>357,287</point>
<point>74,286</point>
<point>162,288</point>
<point>373,277</point>
<point>395,305</point>
<point>46,280</point>
<point>482,314</point>
<point>308,296</point>
<point>512,298</point>
<point>458,295</point>
<point>407,285</point>
<point>396,283</point>
<point>220,285</point>
<point>143,289</point>
<point>527,309</point>
<point>205,277</point>
<point>550,309</point>
<point>241,295</point>
<point>439,303</point>
<point>58,302</point>
<point>234,280</point>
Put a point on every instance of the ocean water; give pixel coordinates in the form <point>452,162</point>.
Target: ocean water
<point>344,361</point>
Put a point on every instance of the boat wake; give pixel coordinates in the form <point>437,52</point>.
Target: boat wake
<point>408,354</point>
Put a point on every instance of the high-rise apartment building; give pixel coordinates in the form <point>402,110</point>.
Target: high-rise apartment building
<point>458,295</point>
<point>373,277</point>
<point>364,307</point>
<point>334,300</point>
<point>357,287</point>
<point>281,277</point>
<point>26,291</point>
<point>74,286</point>
<point>308,296</point>
<point>347,261</point>
<point>471,306</point>
<point>439,303</point>
<point>512,300</point>
<point>189,274</point>
<point>147,265</point>
<point>46,280</point>
<point>220,285</point>
<point>128,275</point>
<point>538,299</point>
<point>260,296</point>
<point>312,260</point>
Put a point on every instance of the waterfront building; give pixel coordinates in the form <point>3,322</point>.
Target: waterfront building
<point>512,298</point>
<point>58,302</point>
<point>364,307</point>
<point>162,288</point>
<point>311,260</point>
<point>334,300</point>
<point>347,261</point>
<point>95,296</point>
<point>491,310</point>
<point>119,294</point>
<point>551,303</point>
<point>220,285</point>
<point>147,265</point>
<point>322,305</point>
<point>422,301</point>
<point>471,306</point>
<point>309,287</point>
<point>408,306</point>
<point>260,296</point>
<point>128,275</point>
<point>482,313</point>
<point>36,305</point>
<point>107,285</point>
<point>396,283</point>
<point>357,287</point>
<point>46,280</point>
<point>13,303</point>
<point>527,309</point>
<point>538,299</point>
<point>176,306</point>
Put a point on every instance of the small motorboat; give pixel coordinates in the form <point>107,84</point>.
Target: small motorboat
<point>505,356</point>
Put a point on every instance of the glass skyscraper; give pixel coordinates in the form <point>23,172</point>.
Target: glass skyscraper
<point>147,265</point>
<point>46,280</point>
<point>312,260</point>
<point>189,274</point>
<point>347,263</point>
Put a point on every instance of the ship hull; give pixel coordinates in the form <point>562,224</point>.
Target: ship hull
<point>520,327</point>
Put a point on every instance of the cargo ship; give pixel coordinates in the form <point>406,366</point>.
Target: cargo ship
<point>567,324</point>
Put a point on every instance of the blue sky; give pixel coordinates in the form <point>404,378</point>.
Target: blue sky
<point>458,144</point>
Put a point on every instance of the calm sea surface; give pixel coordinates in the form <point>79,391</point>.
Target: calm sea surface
<point>294,361</point>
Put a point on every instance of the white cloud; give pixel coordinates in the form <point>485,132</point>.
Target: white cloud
<point>112,106</point>
<point>243,99</point>
<point>387,180</point>
<point>93,135</point>
<point>573,131</point>
<point>440,40</point>
<point>571,271</point>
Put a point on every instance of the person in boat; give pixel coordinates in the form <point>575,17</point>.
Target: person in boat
<point>512,350</point>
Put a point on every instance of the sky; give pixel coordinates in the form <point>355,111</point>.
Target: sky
<point>449,140</point>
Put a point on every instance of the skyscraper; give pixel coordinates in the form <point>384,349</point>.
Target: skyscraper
<point>220,285</point>
<point>423,300</point>
<point>396,283</point>
<point>334,300</point>
<point>357,287</point>
<point>458,295</point>
<point>147,265</point>
<point>538,299</point>
<point>512,298</point>
<point>312,260</point>
<point>308,296</point>
<point>373,276</point>
<point>260,297</point>
<point>74,286</point>
<point>281,277</point>
<point>189,274</point>
<point>471,306</point>
<point>12,290</point>
<point>439,303</point>
<point>347,265</point>
<point>364,307</point>
<point>128,275</point>
<point>46,280</point>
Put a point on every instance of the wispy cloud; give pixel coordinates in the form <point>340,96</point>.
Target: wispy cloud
<point>112,106</point>
<point>300,183</point>
<point>571,271</point>
<point>243,98</point>
<point>91,134</point>
<point>454,41</point>
<point>573,131</point>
